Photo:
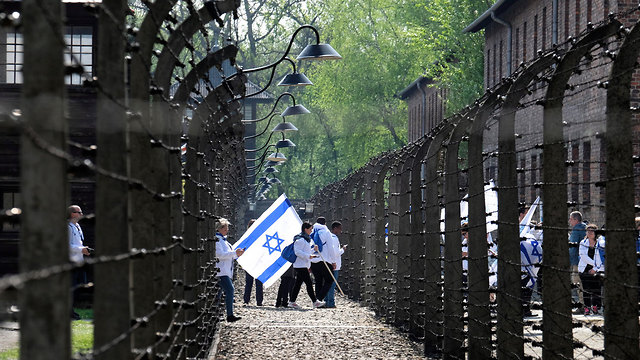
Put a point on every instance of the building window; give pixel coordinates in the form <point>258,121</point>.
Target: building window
<point>517,49</point>
<point>79,42</point>
<point>524,42</point>
<point>13,58</point>
<point>10,200</point>
<point>535,36</point>
<point>544,29</point>
<point>577,17</point>
<point>534,177</point>
<point>586,172</point>
<point>574,180</point>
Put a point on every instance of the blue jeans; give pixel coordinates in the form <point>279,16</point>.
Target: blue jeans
<point>330,298</point>
<point>227,288</point>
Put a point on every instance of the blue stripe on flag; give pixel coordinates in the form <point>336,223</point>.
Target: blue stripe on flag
<point>266,224</point>
<point>268,273</point>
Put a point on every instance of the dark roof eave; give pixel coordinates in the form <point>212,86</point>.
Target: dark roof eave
<point>404,93</point>
<point>485,19</point>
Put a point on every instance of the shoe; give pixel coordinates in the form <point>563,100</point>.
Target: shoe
<point>75,316</point>
<point>294,305</point>
<point>587,311</point>
<point>232,318</point>
<point>318,304</point>
<point>329,306</point>
<point>594,310</point>
<point>259,304</point>
<point>528,313</point>
<point>278,305</point>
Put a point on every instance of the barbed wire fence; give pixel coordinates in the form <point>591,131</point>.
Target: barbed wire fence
<point>155,290</point>
<point>563,127</point>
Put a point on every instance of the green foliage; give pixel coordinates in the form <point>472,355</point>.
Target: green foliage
<point>451,57</point>
<point>385,46</point>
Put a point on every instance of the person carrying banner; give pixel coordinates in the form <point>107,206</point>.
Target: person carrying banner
<point>226,255</point>
<point>304,254</point>
<point>322,266</point>
<point>336,229</point>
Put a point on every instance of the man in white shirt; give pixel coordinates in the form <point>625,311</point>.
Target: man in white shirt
<point>336,229</point>
<point>322,266</point>
<point>224,265</point>
<point>77,250</point>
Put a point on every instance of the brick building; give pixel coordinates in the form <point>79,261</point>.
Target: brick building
<point>516,32</point>
<point>426,106</point>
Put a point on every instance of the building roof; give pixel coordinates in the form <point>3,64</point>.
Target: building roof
<point>406,92</point>
<point>485,19</point>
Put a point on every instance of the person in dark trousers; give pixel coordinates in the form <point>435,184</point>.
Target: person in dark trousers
<point>286,285</point>
<point>248,284</point>
<point>577,234</point>
<point>323,265</point>
<point>304,253</point>
<point>590,267</point>
<point>77,251</point>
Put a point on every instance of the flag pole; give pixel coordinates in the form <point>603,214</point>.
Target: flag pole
<point>331,273</point>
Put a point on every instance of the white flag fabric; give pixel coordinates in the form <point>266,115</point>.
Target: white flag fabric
<point>266,238</point>
<point>526,220</point>
<point>490,207</point>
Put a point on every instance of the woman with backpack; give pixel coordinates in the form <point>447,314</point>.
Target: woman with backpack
<point>301,266</point>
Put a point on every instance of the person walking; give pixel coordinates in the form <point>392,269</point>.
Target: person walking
<point>248,284</point>
<point>336,230</point>
<point>77,250</point>
<point>590,267</point>
<point>322,266</point>
<point>286,284</point>
<point>304,253</point>
<point>577,234</point>
<point>226,255</point>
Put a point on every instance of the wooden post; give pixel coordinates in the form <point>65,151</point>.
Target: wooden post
<point>112,311</point>
<point>44,320</point>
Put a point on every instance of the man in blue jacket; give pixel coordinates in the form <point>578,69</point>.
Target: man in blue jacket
<point>578,232</point>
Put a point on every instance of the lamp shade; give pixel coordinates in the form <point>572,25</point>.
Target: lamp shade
<point>295,110</point>
<point>273,163</point>
<point>262,179</point>
<point>295,79</point>
<point>276,156</point>
<point>270,170</point>
<point>319,52</point>
<point>275,181</point>
<point>285,126</point>
<point>284,143</point>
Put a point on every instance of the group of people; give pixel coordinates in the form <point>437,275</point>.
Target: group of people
<point>586,254</point>
<point>320,255</point>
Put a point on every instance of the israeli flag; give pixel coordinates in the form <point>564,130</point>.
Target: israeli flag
<point>266,238</point>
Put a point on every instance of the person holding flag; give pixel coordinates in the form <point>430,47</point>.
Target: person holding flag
<point>322,267</point>
<point>226,255</point>
<point>301,266</point>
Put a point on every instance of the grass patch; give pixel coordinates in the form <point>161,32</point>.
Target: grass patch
<point>10,354</point>
<point>81,336</point>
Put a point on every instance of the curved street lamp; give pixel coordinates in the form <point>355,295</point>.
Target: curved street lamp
<point>310,52</point>
<point>290,110</point>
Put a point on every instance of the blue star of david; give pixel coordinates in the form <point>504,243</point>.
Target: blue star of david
<point>267,244</point>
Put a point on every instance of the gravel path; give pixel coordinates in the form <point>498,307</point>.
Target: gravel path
<point>347,332</point>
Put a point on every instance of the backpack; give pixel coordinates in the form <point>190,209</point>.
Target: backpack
<point>315,236</point>
<point>288,253</point>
